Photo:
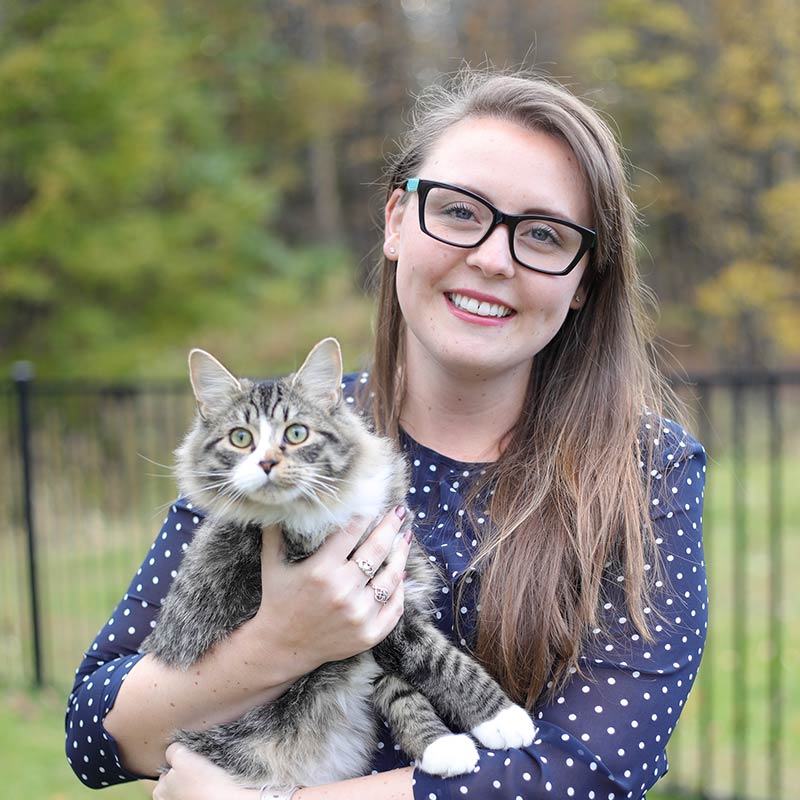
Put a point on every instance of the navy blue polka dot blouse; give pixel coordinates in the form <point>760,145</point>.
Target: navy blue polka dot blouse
<point>602,738</point>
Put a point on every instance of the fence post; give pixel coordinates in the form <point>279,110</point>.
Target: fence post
<point>22,374</point>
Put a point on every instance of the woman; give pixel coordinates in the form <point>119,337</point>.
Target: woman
<point>511,363</point>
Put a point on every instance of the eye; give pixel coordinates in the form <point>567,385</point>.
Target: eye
<point>543,234</point>
<point>539,233</point>
<point>296,434</point>
<point>240,437</point>
<point>460,212</point>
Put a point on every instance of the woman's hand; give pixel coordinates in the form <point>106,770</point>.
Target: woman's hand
<point>192,777</point>
<point>325,608</point>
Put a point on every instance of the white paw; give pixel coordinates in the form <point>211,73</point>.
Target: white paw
<point>455,754</point>
<point>512,727</point>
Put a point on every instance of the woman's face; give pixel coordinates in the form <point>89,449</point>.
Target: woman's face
<point>519,171</point>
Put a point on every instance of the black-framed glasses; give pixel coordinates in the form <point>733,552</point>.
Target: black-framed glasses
<point>462,218</point>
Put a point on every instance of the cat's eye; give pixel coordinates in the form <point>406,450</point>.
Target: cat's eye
<point>296,434</point>
<point>240,437</point>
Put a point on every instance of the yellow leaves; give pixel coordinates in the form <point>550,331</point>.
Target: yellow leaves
<point>609,43</point>
<point>707,99</point>
<point>743,285</point>
<point>661,75</point>
<point>679,128</point>
<point>752,308</point>
<point>664,18</point>
<point>780,210</point>
<point>670,19</point>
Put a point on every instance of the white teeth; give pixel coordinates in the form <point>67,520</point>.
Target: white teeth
<point>482,309</point>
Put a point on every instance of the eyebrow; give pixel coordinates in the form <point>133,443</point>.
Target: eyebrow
<point>536,210</point>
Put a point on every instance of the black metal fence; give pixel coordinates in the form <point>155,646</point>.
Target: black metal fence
<point>84,479</point>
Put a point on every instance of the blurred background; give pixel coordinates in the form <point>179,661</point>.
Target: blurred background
<point>180,173</point>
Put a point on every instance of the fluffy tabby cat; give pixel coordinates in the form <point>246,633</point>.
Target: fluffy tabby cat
<point>291,452</point>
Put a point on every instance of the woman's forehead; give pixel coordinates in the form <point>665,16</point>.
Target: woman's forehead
<point>519,169</point>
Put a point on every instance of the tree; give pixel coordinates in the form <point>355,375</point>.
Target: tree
<point>143,154</point>
<point>706,100</point>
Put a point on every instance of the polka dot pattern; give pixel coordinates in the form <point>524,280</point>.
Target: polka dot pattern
<point>603,736</point>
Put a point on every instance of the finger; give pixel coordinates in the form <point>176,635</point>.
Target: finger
<point>377,546</point>
<point>391,612</point>
<point>341,543</point>
<point>390,575</point>
<point>173,751</point>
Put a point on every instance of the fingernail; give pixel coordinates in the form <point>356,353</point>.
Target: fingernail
<point>400,511</point>
<point>408,534</point>
<point>405,574</point>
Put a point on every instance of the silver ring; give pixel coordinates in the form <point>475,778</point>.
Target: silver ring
<point>366,567</point>
<point>381,595</point>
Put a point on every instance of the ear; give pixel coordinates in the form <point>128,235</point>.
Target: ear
<point>212,384</point>
<point>321,373</point>
<point>579,298</point>
<point>392,219</point>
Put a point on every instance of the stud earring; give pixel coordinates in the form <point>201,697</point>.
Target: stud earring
<point>577,298</point>
<point>392,250</point>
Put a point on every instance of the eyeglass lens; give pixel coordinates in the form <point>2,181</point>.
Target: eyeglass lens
<point>459,219</point>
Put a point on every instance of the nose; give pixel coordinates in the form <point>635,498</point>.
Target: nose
<point>267,464</point>
<point>493,257</point>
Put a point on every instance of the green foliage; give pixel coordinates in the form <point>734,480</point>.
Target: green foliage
<point>143,156</point>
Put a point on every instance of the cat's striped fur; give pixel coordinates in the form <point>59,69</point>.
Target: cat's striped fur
<point>323,729</point>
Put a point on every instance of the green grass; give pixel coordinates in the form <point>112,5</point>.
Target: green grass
<point>32,747</point>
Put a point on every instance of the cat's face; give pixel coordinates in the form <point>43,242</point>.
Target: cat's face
<point>268,444</point>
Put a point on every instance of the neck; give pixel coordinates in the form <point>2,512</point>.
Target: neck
<point>464,416</point>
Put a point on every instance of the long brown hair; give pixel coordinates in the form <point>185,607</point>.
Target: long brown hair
<point>569,498</point>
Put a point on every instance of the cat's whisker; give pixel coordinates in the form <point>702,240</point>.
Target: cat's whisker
<point>317,472</point>
<point>306,492</point>
<point>322,486</point>
<point>210,474</point>
<point>155,463</point>
<point>231,498</point>
<point>211,486</point>
<point>161,508</point>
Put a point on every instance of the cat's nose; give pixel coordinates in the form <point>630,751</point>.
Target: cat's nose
<point>267,464</point>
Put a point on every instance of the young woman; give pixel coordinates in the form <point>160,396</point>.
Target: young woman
<point>564,508</point>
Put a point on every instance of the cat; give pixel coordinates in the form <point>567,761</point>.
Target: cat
<point>316,466</point>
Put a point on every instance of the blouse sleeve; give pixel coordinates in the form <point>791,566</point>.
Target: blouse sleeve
<point>604,735</point>
<point>91,750</point>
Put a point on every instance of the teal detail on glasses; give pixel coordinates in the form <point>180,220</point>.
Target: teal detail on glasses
<point>412,184</point>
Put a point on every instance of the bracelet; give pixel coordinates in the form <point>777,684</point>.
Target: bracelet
<point>270,793</point>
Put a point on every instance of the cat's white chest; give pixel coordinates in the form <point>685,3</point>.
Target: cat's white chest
<point>371,495</point>
<point>367,497</point>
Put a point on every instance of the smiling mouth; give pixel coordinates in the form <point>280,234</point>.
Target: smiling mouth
<point>479,307</point>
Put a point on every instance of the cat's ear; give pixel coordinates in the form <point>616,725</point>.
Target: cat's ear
<point>321,373</point>
<point>212,384</point>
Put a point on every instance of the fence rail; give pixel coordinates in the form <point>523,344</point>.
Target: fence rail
<point>84,468</point>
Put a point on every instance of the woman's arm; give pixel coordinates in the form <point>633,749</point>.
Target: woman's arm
<point>192,777</point>
<point>125,706</point>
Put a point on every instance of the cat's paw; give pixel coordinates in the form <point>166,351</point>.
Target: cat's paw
<point>454,754</point>
<point>512,727</point>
